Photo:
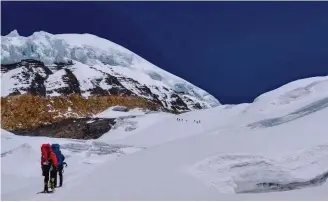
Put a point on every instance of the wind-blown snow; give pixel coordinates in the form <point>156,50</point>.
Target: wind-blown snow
<point>288,97</point>
<point>224,157</point>
<point>255,173</point>
<point>94,51</point>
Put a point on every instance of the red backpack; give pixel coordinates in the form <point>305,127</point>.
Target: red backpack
<point>45,152</point>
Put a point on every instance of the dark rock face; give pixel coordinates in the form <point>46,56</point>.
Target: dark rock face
<point>73,86</point>
<point>6,68</point>
<point>32,77</point>
<point>178,103</point>
<point>82,128</point>
<point>34,73</point>
<point>116,89</point>
<point>60,65</point>
<point>37,86</point>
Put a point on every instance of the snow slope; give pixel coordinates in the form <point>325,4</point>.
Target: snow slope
<point>91,59</point>
<point>25,179</point>
<point>234,153</point>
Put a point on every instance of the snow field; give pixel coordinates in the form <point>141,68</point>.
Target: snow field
<point>234,153</point>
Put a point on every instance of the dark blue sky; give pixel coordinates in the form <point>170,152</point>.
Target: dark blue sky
<point>233,50</point>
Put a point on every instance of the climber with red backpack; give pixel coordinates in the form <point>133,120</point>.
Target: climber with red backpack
<point>49,165</point>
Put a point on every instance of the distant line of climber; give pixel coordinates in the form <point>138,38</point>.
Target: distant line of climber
<point>181,119</point>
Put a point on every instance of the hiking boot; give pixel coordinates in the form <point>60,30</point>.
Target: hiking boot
<point>52,183</point>
<point>45,189</point>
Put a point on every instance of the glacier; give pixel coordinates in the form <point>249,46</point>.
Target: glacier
<point>92,51</point>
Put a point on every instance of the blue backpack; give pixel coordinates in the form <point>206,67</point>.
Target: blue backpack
<point>56,149</point>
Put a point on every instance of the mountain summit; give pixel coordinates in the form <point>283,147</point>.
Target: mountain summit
<point>53,65</point>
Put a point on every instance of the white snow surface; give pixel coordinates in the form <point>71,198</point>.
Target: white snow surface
<point>228,154</point>
<point>54,81</point>
<point>87,50</point>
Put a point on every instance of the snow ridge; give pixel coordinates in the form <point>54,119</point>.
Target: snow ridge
<point>86,50</point>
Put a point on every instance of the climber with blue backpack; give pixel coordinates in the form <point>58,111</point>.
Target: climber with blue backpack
<point>61,163</point>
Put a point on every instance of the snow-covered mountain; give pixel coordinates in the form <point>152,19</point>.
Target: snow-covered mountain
<point>277,146</point>
<point>85,64</point>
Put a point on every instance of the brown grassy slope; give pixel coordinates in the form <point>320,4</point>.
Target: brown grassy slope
<point>28,111</point>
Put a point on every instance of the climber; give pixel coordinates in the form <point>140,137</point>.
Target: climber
<point>61,163</point>
<point>49,165</point>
